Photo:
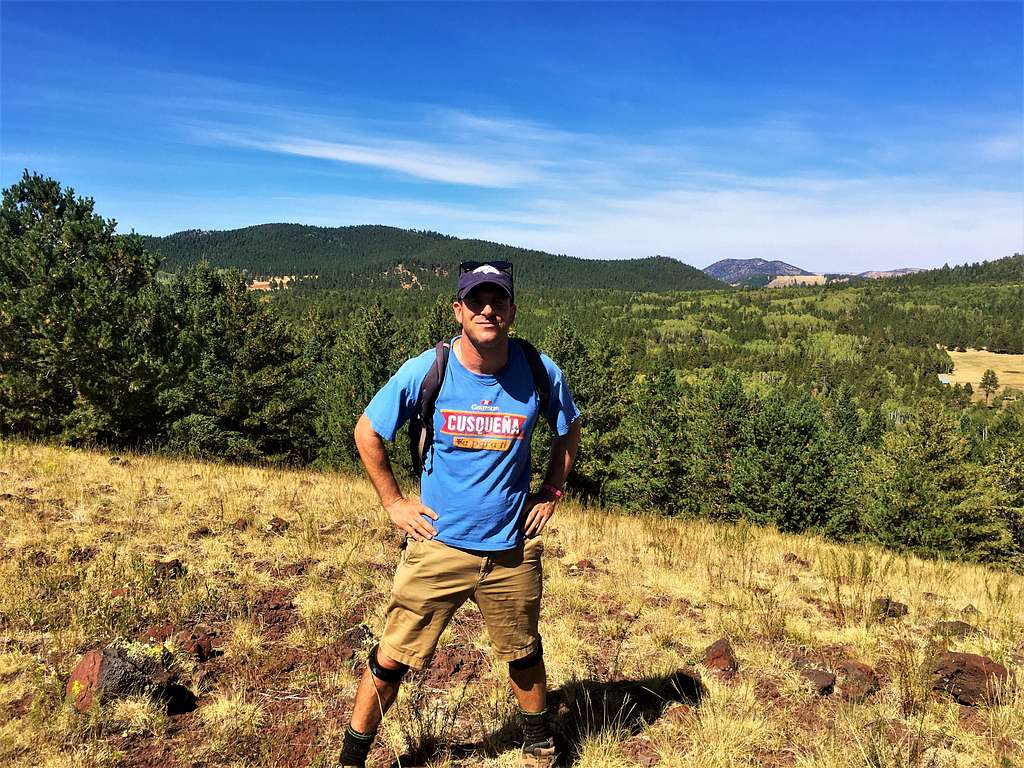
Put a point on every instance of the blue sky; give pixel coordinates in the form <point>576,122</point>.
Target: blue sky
<point>839,137</point>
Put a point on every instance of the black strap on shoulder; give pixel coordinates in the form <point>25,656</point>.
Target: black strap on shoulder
<point>541,379</point>
<point>421,425</point>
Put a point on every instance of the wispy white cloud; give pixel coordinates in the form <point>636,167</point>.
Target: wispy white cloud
<point>792,186</point>
<point>415,159</point>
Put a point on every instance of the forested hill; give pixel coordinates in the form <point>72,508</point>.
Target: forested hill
<point>371,256</point>
<point>1008,270</point>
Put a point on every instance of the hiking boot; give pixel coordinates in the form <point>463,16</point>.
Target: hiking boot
<point>539,755</point>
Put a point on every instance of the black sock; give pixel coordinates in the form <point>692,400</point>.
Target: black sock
<point>356,747</point>
<point>535,727</point>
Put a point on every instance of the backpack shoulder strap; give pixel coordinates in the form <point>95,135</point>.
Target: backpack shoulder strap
<point>421,425</point>
<point>541,379</point>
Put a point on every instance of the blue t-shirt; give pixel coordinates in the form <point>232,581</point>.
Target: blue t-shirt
<point>477,474</point>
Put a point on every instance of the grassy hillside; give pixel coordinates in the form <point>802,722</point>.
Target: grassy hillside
<point>291,592</point>
<point>378,257</point>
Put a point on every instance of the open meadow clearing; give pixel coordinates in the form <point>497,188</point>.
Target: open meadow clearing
<point>971,365</point>
<point>259,591</point>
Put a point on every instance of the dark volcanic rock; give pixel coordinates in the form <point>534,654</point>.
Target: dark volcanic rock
<point>120,670</point>
<point>156,633</point>
<point>821,681</point>
<point>957,629</point>
<point>887,608</point>
<point>719,656</point>
<point>967,677</point>
<point>277,525</point>
<point>197,641</point>
<point>275,611</point>
<point>857,680</point>
<point>168,569</point>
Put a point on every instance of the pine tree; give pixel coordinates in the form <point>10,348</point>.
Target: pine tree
<point>235,373</point>
<point>651,471</point>
<point>77,320</point>
<point>715,414</point>
<point>365,355</point>
<point>437,324</point>
<point>787,472</point>
<point>989,383</point>
<point>925,495</point>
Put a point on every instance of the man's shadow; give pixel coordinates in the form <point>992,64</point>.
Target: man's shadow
<point>582,709</point>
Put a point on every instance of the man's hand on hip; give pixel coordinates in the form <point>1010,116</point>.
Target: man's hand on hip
<point>540,507</point>
<point>407,514</point>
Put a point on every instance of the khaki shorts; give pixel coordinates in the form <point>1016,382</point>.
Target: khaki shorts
<point>433,580</point>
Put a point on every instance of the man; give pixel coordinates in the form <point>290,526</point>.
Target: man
<point>474,531</point>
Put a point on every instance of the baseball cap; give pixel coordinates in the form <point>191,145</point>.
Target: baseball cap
<point>474,273</point>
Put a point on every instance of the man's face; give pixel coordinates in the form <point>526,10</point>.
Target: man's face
<point>485,314</point>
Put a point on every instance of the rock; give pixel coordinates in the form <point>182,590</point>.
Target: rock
<point>168,569</point>
<point>201,532</point>
<point>887,608</point>
<point>821,681</point>
<point>240,524</point>
<point>957,629</point>
<point>857,680</point>
<point>277,525</point>
<point>121,670</point>
<point>720,657</point>
<point>585,565</point>
<point>82,685</point>
<point>156,633</point>
<point>792,557</point>
<point>967,677</point>
<point>554,550</point>
<point>970,612</point>
<point>198,642</point>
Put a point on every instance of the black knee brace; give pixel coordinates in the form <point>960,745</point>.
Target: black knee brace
<point>529,661</point>
<point>383,674</point>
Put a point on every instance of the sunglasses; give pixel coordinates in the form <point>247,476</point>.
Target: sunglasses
<point>501,266</point>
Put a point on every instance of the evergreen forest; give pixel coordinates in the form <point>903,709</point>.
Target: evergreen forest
<point>808,409</point>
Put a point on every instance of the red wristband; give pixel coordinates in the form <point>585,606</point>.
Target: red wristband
<point>550,487</point>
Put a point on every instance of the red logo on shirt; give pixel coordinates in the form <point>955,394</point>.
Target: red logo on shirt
<point>491,431</point>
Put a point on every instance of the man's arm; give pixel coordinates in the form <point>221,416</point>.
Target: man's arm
<point>406,514</point>
<point>563,453</point>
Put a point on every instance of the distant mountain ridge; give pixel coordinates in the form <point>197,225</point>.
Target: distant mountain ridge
<point>743,271</point>
<point>759,272</point>
<point>373,256</point>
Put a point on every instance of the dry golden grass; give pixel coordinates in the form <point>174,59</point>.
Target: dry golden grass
<point>74,527</point>
<point>971,365</point>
